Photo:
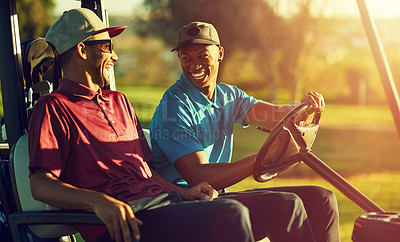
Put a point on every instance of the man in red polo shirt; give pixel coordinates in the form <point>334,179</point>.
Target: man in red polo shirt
<point>87,151</point>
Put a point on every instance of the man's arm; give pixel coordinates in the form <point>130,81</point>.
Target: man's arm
<point>268,115</point>
<point>202,191</point>
<point>117,215</point>
<point>195,167</point>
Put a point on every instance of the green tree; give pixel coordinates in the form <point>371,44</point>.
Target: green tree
<point>34,17</point>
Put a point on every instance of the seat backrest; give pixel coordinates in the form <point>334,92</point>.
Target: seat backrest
<point>19,174</point>
<point>146,133</point>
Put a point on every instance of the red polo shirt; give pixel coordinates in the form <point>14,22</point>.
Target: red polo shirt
<point>91,140</point>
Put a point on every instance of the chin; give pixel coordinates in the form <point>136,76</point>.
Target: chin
<point>197,84</point>
<point>105,81</point>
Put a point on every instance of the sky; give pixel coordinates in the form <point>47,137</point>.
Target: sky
<point>345,8</point>
<point>332,8</point>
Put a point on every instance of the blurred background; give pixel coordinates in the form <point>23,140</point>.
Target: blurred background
<point>275,50</point>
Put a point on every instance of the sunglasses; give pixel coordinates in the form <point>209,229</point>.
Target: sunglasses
<point>104,48</point>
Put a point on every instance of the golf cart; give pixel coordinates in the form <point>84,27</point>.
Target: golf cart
<point>25,219</point>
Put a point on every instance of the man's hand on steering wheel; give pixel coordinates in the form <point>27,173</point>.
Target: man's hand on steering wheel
<point>316,100</point>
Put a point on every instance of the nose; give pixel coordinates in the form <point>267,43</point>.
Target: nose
<point>114,56</point>
<point>196,65</point>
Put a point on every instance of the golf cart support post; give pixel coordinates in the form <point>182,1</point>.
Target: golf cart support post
<point>385,73</point>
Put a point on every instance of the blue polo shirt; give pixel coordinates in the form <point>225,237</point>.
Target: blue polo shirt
<point>186,121</point>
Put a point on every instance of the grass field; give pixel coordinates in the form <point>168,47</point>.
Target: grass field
<point>360,143</point>
<point>382,188</point>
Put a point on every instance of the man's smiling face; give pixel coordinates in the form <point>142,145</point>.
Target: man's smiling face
<point>102,58</point>
<point>200,64</point>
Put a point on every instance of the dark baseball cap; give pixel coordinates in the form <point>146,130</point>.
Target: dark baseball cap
<point>197,33</point>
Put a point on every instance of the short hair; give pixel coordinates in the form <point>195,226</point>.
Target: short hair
<point>65,57</point>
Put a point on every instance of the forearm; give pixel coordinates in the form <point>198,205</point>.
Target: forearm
<point>46,188</point>
<point>202,191</point>
<point>166,184</point>
<point>267,115</point>
<point>116,215</point>
<point>223,175</point>
<point>218,175</point>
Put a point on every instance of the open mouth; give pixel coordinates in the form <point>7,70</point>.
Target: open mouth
<point>108,67</point>
<point>198,75</point>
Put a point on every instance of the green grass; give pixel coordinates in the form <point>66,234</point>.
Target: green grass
<point>343,116</point>
<point>360,143</point>
<point>350,151</point>
<point>144,100</point>
<point>366,154</point>
<point>382,188</point>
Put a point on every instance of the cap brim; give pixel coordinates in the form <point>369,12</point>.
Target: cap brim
<point>113,31</point>
<point>195,41</point>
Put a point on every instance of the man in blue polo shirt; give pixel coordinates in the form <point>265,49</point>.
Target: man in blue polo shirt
<point>192,134</point>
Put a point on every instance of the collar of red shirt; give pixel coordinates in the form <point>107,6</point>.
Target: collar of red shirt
<point>79,90</point>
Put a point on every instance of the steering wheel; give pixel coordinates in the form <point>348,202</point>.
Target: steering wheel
<point>289,143</point>
<point>286,144</point>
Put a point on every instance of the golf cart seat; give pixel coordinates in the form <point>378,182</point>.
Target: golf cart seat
<point>35,218</point>
<point>146,133</point>
<point>19,176</point>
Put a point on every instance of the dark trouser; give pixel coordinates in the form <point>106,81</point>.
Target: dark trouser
<point>167,218</point>
<point>304,213</point>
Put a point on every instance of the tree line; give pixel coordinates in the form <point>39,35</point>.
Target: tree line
<point>273,57</point>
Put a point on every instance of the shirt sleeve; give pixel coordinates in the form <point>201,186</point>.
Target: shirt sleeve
<point>243,103</point>
<point>48,132</point>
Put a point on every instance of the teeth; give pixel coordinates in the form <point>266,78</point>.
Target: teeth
<point>199,75</point>
<point>108,67</point>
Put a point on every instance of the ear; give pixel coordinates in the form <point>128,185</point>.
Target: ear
<point>220,53</point>
<point>81,50</point>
